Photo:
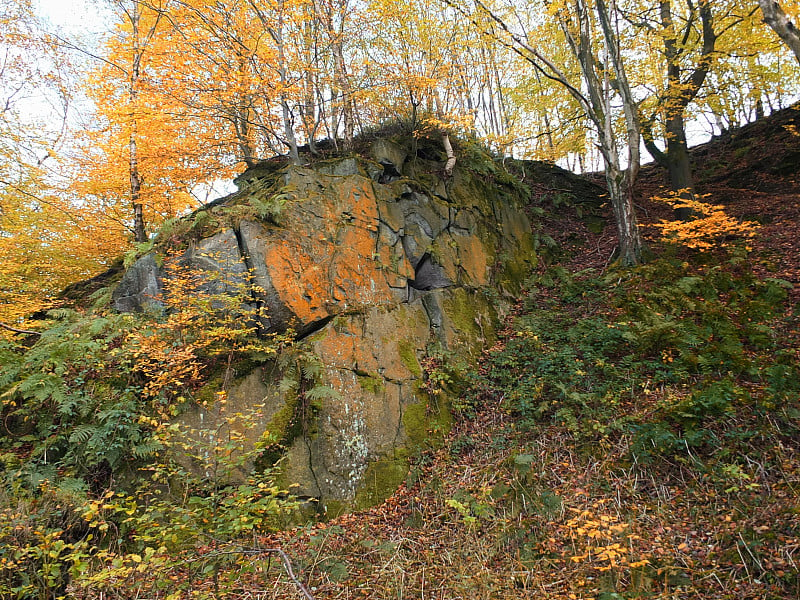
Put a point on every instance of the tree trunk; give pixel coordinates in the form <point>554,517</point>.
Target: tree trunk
<point>679,165</point>
<point>679,93</point>
<point>629,250</point>
<point>275,31</point>
<point>344,91</point>
<point>288,121</point>
<point>781,24</point>
<point>621,181</point>
<point>451,157</point>
<point>242,114</point>
<point>595,96</point>
<point>342,87</point>
<point>139,231</point>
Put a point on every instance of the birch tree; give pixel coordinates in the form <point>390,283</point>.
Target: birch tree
<point>781,23</point>
<point>602,90</point>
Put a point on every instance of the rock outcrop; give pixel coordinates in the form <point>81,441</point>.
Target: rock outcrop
<point>374,263</point>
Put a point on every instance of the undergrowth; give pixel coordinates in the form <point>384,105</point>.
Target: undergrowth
<point>666,352</point>
<point>102,485</point>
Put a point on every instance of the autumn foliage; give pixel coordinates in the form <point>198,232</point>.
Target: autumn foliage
<point>708,227</point>
<point>634,432</point>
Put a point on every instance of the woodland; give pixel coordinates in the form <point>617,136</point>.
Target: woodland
<point>634,430</point>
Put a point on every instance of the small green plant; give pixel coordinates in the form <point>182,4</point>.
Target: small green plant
<point>443,376</point>
<point>203,497</point>
<point>471,508</point>
<point>592,348</point>
<point>44,541</point>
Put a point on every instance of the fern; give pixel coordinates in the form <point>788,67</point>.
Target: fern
<point>311,368</point>
<point>62,313</point>
<point>288,384</point>
<point>147,449</point>
<point>323,392</point>
<point>269,209</point>
<point>72,486</point>
<point>83,433</point>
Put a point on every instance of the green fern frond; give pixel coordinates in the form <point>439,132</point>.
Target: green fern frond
<point>288,384</point>
<point>62,313</point>
<point>83,433</point>
<point>147,448</point>
<point>323,392</point>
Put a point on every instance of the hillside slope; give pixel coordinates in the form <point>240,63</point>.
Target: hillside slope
<point>633,435</point>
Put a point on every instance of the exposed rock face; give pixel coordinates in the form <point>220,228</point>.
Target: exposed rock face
<point>374,263</point>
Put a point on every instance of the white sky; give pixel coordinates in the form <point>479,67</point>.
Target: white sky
<point>74,16</point>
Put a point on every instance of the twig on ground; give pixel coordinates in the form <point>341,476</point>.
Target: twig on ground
<point>16,330</point>
<point>287,565</point>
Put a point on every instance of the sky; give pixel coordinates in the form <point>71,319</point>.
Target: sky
<point>74,16</point>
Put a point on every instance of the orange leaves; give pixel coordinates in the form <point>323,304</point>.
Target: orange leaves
<point>598,539</point>
<point>200,324</point>
<point>710,227</point>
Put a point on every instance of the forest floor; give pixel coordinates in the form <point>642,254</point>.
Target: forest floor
<point>643,487</point>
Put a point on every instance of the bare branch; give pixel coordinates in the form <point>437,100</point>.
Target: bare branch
<point>287,566</point>
<point>16,330</point>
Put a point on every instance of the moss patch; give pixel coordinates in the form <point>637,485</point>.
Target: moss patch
<point>282,430</point>
<point>380,481</point>
<point>424,424</point>
<point>207,395</point>
<point>408,354</point>
<point>463,309</point>
<point>371,383</point>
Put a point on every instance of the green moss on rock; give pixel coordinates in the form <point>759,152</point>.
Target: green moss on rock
<point>282,430</point>
<point>408,354</point>
<point>371,383</point>
<point>426,424</point>
<point>381,480</point>
<point>467,313</point>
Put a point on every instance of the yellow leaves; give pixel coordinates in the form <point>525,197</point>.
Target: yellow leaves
<point>170,353</point>
<point>709,227</point>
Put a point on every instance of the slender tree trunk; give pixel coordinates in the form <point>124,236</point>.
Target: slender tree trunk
<point>241,125</point>
<point>288,122</point>
<point>139,231</point>
<point>310,80</point>
<point>629,250</point>
<point>341,90</point>
<point>679,164</point>
<point>241,114</point>
<point>622,181</point>
<point>451,157</point>
<point>275,31</point>
<point>344,89</point>
<point>595,98</point>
